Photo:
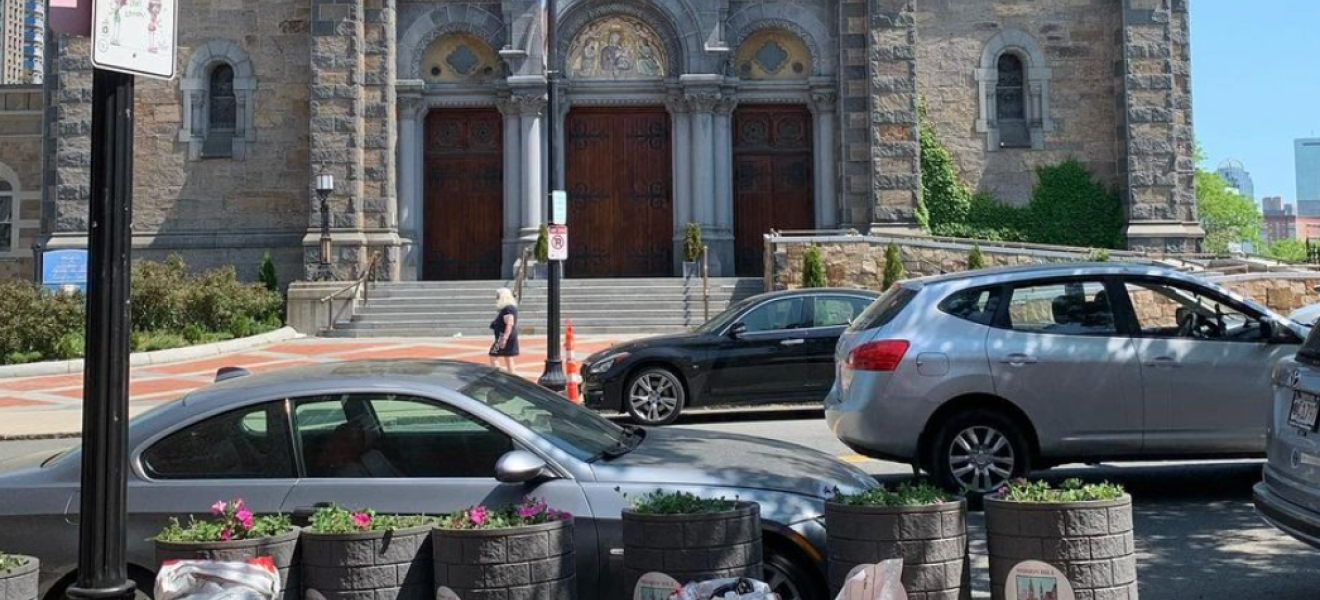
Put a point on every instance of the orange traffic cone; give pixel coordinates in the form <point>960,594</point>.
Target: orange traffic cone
<point>571,367</point>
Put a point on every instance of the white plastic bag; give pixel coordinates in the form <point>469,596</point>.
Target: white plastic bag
<point>726,589</point>
<point>883,581</point>
<point>211,580</point>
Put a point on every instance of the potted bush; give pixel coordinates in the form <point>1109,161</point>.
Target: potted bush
<point>18,577</point>
<point>692,250</point>
<point>893,270</point>
<point>919,523</point>
<point>356,554</point>
<point>523,551</point>
<point>690,538</point>
<point>975,259</point>
<point>541,252</point>
<point>233,534</point>
<point>813,268</point>
<point>1085,531</point>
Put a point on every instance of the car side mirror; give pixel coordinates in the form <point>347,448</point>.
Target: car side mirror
<point>737,330</point>
<point>519,466</point>
<point>1277,333</point>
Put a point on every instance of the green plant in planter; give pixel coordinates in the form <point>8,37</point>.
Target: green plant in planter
<point>692,247</point>
<point>1071,490</point>
<point>813,268</point>
<point>894,271</point>
<point>531,512</point>
<point>905,494</point>
<point>661,502</point>
<point>975,259</point>
<point>338,520</point>
<point>9,561</point>
<point>232,521</point>
<point>542,248</point>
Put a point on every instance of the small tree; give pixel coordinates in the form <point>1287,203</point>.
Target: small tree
<point>894,271</point>
<point>542,249</point>
<point>266,274</point>
<point>813,269</point>
<point>692,243</point>
<point>975,259</point>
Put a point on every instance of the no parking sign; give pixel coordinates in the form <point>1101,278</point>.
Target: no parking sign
<point>558,242</point>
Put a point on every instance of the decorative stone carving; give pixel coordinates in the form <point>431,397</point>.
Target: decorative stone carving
<point>529,104</point>
<point>677,104</point>
<point>460,58</point>
<point>726,105</point>
<point>703,102</point>
<point>773,54</point>
<point>617,48</point>
<point>823,101</point>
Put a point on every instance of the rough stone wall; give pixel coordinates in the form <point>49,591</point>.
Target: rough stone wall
<point>895,137</point>
<point>855,199</point>
<point>212,211</point>
<point>21,109</point>
<point>1077,41</point>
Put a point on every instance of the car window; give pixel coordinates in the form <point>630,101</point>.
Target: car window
<point>884,309</point>
<point>387,435</point>
<point>775,316</point>
<point>977,305</point>
<point>836,311</point>
<point>575,430</point>
<point>1166,310</point>
<point>251,443</point>
<point>1067,308</point>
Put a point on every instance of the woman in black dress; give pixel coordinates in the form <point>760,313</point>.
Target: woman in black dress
<point>505,327</point>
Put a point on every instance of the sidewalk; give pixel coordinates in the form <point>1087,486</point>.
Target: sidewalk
<point>51,406</point>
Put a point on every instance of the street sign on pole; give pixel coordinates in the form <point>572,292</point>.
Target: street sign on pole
<point>558,242</point>
<point>559,207</point>
<point>138,38</point>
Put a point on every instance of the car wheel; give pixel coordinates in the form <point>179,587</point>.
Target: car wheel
<point>789,579</point>
<point>978,451</point>
<point>654,396</point>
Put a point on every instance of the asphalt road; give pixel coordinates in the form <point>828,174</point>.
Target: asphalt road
<point>1197,534</point>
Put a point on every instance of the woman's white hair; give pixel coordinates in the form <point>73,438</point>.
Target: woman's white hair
<point>504,297</point>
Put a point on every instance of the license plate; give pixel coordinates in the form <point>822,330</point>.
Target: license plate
<point>1305,409</point>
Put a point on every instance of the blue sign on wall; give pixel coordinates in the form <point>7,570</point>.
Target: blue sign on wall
<point>64,269</point>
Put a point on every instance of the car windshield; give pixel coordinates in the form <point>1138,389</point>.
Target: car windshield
<point>573,429</point>
<point>725,318</point>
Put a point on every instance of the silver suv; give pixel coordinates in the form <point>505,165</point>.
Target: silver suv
<point>1289,496</point>
<point>979,377</point>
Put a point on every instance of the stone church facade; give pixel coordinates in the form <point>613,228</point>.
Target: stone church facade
<point>738,115</point>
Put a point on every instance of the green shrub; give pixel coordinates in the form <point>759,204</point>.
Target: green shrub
<point>542,248</point>
<point>1070,208</point>
<point>692,246</point>
<point>1098,255</point>
<point>1288,250</point>
<point>1072,490</point>
<point>661,502</point>
<point>215,298</point>
<point>70,346</point>
<point>894,270</point>
<point>905,494</point>
<point>35,320</point>
<point>975,259</point>
<point>945,200</point>
<point>159,294</point>
<point>266,274</point>
<point>151,341</point>
<point>813,269</point>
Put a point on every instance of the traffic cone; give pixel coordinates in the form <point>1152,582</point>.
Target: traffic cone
<point>571,367</point>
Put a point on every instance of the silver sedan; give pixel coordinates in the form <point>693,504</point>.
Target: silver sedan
<point>423,437</point>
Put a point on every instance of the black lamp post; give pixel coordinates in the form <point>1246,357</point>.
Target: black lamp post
<point>325,185</point>
<point>553,378</point>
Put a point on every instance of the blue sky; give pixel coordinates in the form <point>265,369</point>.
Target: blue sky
<point>1256,85</point>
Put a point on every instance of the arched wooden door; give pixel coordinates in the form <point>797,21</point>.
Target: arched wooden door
<point>620,192</point>
<point>464,210</point>
<point>772,179</point>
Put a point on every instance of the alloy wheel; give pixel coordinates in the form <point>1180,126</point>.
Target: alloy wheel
<point>654,396</point>
<point>780,583</point>
<point>981,459</point>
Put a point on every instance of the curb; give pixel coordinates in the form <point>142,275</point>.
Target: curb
<point>158,357</point>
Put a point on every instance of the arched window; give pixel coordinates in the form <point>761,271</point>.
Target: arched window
<point>223,110</point>
<point>7,207</point>
<point>219,92</point>
<point>1011,103</point>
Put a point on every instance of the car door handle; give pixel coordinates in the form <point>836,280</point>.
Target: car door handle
<point>1166,362</point>
<point>1019,359</point>
<point>793,342</point>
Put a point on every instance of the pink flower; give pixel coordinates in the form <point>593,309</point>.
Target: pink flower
<point>362,520</point>
<point>478,515</point>
<point>218,507</point>
<point>244,516</point>
<point>226,534</point>
<point>563,515</point>
<point>530,510</point>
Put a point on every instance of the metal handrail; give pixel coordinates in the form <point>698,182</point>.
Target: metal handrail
<point>521,275</point>
<point>705,282</point>
<point>359,284</point>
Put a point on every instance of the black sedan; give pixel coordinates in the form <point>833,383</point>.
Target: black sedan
<point>775,347</point>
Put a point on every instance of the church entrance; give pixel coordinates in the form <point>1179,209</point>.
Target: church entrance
<point>620,190</point>
<point>772,179</point>
<point>464,209</point>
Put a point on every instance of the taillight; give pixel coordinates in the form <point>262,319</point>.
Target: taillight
<point>878,356</point>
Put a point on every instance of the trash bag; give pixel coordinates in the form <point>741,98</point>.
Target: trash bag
<point>883,581</point>
<point>256,579</point>
<point>726,589</point>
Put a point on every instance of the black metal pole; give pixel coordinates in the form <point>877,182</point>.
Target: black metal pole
<point>36,262</point>
<point>324,272</point>
<point>103,513</point>
<point>553,378</point>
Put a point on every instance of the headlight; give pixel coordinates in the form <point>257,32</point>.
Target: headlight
<point>607,363</point>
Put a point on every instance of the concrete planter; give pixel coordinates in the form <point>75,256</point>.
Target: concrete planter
<point>1089,542</point>
<point>536,561</point>
<point>382,565</point>
<point>20,583</point>
<point>282,549</point>
<point>692,547</point>
<point>931,540</point>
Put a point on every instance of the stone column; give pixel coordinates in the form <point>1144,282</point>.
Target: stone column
<point>895,132</point>
<point>721,241</point>
<point>1157,132</point>
<point>513,184</point>
<point>532,112</point>
<point>703,158</point>
<point>827,200</point>
<point>682,165</point>
<point>410,189</point>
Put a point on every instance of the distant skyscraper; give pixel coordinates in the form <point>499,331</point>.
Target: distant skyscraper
<point>1238,177</point>
<point>34,40</point>
<point>1308,177</point>
<point>22,41</point>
